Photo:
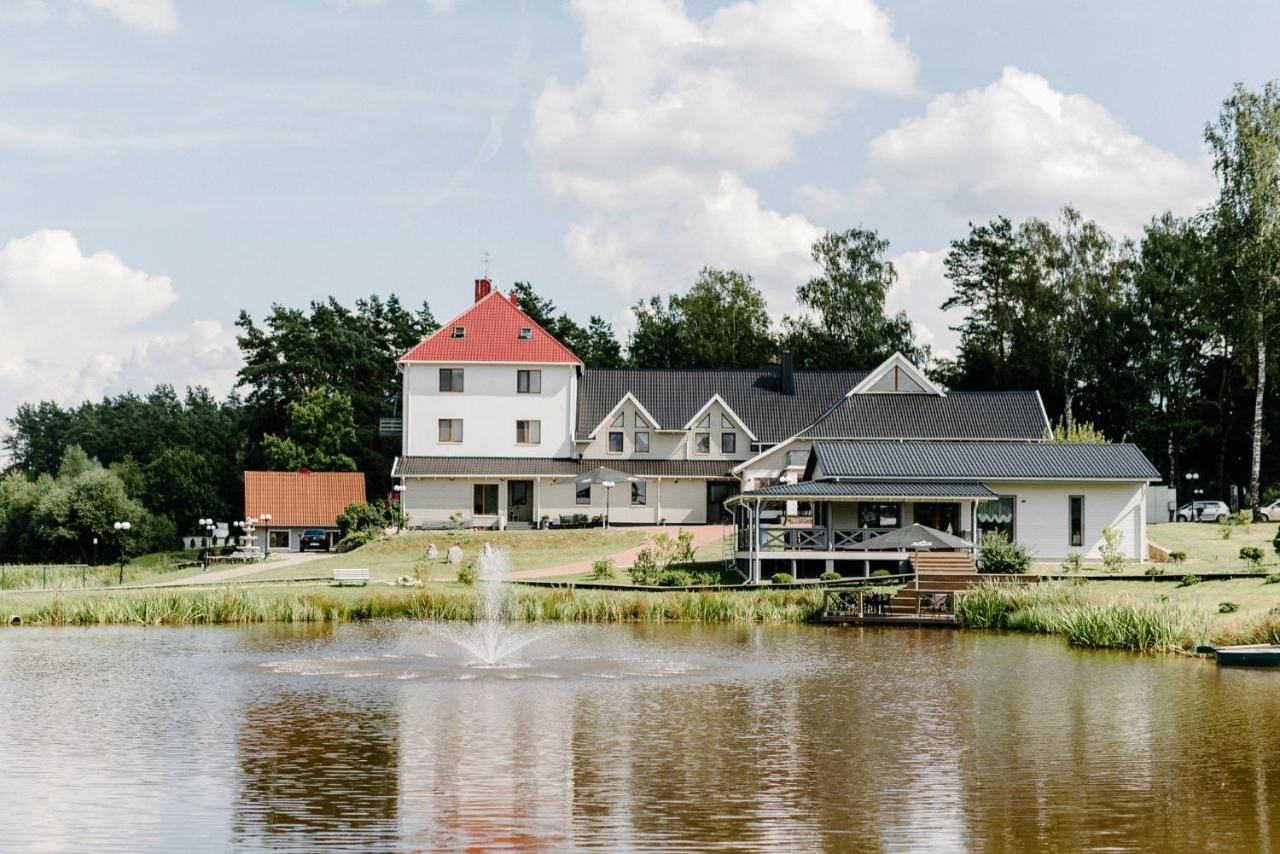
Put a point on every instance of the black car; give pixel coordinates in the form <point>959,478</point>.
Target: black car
<point>314,538</point>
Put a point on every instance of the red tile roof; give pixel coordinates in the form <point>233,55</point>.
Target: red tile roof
<point>301,499</point>
<point>492,335</point>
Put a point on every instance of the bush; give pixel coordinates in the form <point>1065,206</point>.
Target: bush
<point>1188,580</point>
<point>467,573</point>
<point>1113,559</point>
<point>1252,555</point>
<point>1001,556</point>
<point>1224,529</point>
<point>602,569</point>
<point>830,575</point>
<point>356,539</point>
<point>1228,607</point>
<point>1273,578</point>
<point>676,578</point>
<point>782,578</point>
<point>1073,563</point>
<point>881,573</point>
<point>1154,571</point>
<point>645,569</point>
<point>1178,557</point>
<point>358,517</point>
<point>1275,542</point>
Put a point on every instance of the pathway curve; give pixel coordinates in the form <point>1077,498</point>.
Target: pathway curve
<point>702,534</point>
<point>234,572</point>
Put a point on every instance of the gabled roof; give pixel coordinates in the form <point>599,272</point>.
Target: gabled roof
<point>492,334</point>
<point>911,376</point>
<point>301,499</point>
<point>872,489</point>
<point>958,415</point>
<point>674,396</point>
<point>978,461</point>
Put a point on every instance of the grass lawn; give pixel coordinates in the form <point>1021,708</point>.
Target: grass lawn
<point>1254,596</point>
<point>1206,549</point>
<point>145,569</point>
<point>400,555</point>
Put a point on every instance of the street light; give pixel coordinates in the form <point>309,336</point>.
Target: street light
<point>1192,477</point>
<point>266,540</point>
<point>122,528</point>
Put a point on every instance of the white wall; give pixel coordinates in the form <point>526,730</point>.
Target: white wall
<point>1042,520</point>
<point>489,408</point>
<point>772,466</point>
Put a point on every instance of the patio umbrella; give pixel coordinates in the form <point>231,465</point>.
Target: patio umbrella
<point>919,537</point>
<point>608,478</point>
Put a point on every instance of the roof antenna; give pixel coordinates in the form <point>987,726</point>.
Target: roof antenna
<point>486,264</point>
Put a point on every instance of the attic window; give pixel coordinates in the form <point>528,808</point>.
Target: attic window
<point>897,381</point>
<point>526,333</point>
<point>459,332</point>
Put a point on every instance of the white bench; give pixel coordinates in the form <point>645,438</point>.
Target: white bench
<point>350,576</point>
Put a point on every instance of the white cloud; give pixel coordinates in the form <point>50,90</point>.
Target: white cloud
<point>154,17</point>
<point>69,327</point>
<point>672,111</point>
<point>820,201</point>
<point>26,12</point>
<point>1019,147</point>
<point>921,289</point>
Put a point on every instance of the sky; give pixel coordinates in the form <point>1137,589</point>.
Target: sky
<point>167,163</point>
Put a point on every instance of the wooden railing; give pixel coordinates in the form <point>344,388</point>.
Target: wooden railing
<point>781,539</point>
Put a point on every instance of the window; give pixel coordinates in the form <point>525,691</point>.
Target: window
<point>1076,513</point>
<point>705,421</point>
<point>620,421</point>
<point>615,441</point>
<point>450,429</point>
<point>451,379</point>
<point>459,332</point>
<point>728,443</point>
<point>998,514</point>
<point>279,539</point>
<point>797,459</point>
<point>879,515</point>
<point>485,499</point>
<point>702,443</point>
<point>642,441</point>
<point>526,334</point>
<point>898,381</point>
<point>529,382</point>
<point>639,495</point>
<point>584,493</point>
<point>528,432</point>
<point>640,422</point>
<point>724,420</point>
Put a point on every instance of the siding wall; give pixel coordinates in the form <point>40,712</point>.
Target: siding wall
<point>773,465</point>
<point>1042,517</point>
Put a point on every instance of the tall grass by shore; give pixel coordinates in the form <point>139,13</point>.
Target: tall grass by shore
<point>239,605</point>
<point>1141,626</point>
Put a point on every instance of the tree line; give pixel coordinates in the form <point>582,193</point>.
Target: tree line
<point>1162,340</point>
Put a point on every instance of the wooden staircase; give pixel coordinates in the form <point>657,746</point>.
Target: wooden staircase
<point>939,576</point>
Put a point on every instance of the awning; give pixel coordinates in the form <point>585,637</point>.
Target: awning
<point>868,490</point>
<point>915,537</point>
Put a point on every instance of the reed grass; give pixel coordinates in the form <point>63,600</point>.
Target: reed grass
<point>241,605</point>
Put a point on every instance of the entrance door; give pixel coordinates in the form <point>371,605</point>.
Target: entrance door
<point>519,501</point>
<point>941,516</point>
<point>717,492</point>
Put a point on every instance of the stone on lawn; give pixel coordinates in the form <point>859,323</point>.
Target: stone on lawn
<point>455,554</point>
<point>432,552</point>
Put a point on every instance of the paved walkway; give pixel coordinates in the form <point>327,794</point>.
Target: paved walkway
<point>702,534</point>
<point>276,561</point>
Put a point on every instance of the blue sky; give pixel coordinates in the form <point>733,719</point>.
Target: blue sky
<point>165,163</point>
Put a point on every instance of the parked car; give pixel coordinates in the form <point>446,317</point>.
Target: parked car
<point>1205,511</point>
<point>314,538</point>
<point>1271,512</point>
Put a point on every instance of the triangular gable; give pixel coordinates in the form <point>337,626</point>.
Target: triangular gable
<point>613,413</point>
<point>896,375</point>
<point>492,334</point>
<point>715,398</point>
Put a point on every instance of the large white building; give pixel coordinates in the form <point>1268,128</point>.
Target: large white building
<point>500,419</point>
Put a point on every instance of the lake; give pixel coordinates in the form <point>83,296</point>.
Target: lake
<point>380,737</point>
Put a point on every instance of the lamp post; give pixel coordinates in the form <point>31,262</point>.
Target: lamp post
<point>266,538</point>
<point>1192,477</point>
<point>207,525</point>
<point>122,528</point>
<point>608,489</point>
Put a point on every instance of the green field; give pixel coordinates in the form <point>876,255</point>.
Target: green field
<point>1208,551</point>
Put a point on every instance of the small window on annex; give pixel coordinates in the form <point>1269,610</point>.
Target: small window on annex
<point>526,333</point>
<point>485,499</point>
<point>279,539</point>
<point>1076,514</point>
<point>702,443</point>
<point>642,441</point>
<point>450,430</point>
<point>639,494</point>
<point>615,441</point>
<point>728,443</point>
<point>529,382</point>
<point>584,493</point>
<point>451,379</point>
<point>998,514</point>
<point>459,332</point>
<point>528,432</point>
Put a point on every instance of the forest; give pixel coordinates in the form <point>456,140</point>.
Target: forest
<point>1161,340</point>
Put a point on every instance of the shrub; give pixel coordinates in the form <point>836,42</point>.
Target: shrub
<point>1113,559</point>
<point>1252,555</point>
<point>358,517</point>
<point>830,575</point>
<point>1224,529</point>
<point>783,578</point>
<point>602,569</point>
<point>1073,563</point>
<point>356,539</point>
<point>1188,580</point>
<point>1273,578</point>
<point>1154,571</point>
<point>645,568</point>
<point>1228,607</point>
<point>1275,542</point>
<point>676,578</point>
<point>1178,557</point>
<point>881,573</point>
<point>1001,556</point>
<point>455,521</point>
<point>467,573</point>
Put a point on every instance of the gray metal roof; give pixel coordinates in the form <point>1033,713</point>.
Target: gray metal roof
<point>674,396</point>
<point>547,467</point>
<point>872,489</point>
<point>959,415</point>
<point>980,461</point>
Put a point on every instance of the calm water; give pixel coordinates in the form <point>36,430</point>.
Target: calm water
<point>379,738</point>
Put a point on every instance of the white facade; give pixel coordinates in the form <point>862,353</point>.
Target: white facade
<point>1042,517</point>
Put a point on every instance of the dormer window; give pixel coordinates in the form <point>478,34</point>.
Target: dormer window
<point>897,381</point>
<point>526,333</point>
<point>459,332</point>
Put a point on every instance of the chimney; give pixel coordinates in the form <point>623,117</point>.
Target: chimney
<point>787,374</point>
<point>515,300</point>
<point>483,286</point>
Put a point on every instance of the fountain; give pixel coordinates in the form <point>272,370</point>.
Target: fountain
<point>492,639</point>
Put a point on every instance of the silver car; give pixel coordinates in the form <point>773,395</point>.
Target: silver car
<point>1205,511</point>
<point>1271,512</point>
